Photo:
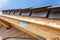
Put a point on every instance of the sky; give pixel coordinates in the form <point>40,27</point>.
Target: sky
<point>15,4</point>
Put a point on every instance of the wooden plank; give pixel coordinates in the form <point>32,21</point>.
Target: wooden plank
<point>15,21</point>
<point>59,37</point>
<point>34,32</point>
<point>39,21</point>
<point>46,27</point>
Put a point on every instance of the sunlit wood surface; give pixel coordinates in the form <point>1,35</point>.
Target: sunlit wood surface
<point>37,27</point>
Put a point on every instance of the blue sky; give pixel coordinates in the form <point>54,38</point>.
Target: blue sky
<point>14,4</point>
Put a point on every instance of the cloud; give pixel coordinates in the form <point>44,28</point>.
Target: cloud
<point>3,3</point>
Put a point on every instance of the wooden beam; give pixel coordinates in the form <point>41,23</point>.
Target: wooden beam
<point>4,23</point>
<point>32,28</point>
<point>39,21</point>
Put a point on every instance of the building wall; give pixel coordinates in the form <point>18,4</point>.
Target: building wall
<point>13,33</point>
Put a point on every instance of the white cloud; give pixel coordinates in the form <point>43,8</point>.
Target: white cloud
<point>3,3</point>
